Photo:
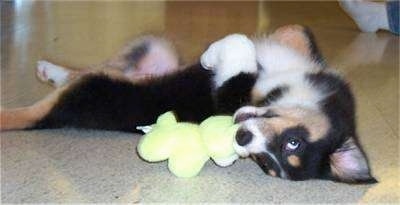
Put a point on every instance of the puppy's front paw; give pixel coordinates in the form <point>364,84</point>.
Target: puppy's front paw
<point>230,56</point>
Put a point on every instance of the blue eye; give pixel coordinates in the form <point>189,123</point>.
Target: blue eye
<point>292,144</point>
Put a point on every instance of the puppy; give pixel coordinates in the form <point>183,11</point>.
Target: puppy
<point>296,116</point>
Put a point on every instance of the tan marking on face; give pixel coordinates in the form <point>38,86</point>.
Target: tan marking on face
<point>294,37</point>
<point>315,122</point>
<point>256,95</point>
<point>317,125</point>
<point>294,161</point>
<point>272,173</point>
<point>278,125</point>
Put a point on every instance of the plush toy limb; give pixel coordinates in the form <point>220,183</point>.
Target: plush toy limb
<point>227,161</point>
<point>154,146</point>
<point>218,134</point>
<point>187,165</point>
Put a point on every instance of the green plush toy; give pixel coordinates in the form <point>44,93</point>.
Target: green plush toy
<point>188,146</point>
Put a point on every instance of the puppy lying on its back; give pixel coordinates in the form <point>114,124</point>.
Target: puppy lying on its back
<point>297,116</point>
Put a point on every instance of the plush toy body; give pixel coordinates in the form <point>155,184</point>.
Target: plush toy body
<point>189,146</point>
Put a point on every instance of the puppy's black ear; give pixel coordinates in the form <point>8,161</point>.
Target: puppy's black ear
<point>349,164</point>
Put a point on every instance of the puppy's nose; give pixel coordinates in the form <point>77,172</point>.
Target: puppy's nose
<point>243,137</point>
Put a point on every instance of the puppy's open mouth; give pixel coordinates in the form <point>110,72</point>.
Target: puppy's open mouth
<point>267,164</point>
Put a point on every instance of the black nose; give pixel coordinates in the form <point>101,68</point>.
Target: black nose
<point>243,137</point>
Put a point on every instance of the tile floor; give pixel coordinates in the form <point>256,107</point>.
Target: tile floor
<point>70,165</point>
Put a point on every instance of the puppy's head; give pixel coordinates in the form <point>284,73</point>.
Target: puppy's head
<point>298,144</point>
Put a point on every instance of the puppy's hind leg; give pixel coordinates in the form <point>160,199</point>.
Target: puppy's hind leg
<point>26,117</point>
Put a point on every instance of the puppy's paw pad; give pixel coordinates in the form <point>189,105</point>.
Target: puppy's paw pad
<point>48,72</point>
<point>41,70</point>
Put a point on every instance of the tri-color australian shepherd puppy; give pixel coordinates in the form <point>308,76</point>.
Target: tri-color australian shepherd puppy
<point>297,116</point>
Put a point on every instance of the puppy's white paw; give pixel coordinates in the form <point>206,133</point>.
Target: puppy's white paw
<point>50,73</point>
<point>230,56</point>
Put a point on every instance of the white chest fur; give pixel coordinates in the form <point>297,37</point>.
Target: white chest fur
<point>283,66</point>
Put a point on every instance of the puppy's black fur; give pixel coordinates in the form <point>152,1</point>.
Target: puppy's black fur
<point>98,101</point>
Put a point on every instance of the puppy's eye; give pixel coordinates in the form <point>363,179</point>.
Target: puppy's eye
<point>292,144</point>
